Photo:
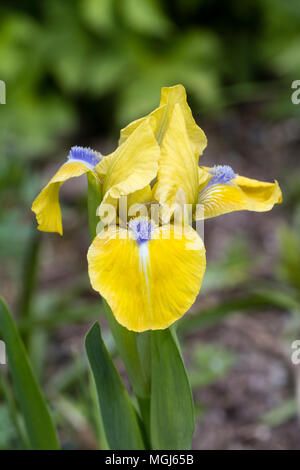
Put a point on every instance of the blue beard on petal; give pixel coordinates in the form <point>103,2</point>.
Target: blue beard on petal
<point>141,228</point>
<point>84,155</point>
<point>222,174</point>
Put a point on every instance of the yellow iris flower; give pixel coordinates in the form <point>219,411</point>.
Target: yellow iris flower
<point>150,272</point>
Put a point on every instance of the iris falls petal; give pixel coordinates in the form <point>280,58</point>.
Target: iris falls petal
<point>46,206</point>
<point>224,191</point>
<point>149,280</point>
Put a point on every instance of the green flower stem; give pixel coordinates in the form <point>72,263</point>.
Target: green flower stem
<point>129,344</point>
<point>94,200</point>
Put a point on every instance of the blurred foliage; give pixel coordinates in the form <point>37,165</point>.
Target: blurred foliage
<point>280,414</point>
<point>7,429</point>
<point>289,237</point>
<point>77,70</point>
<point>210,364</point>
<point>96,64</point>
<point>234,268</point>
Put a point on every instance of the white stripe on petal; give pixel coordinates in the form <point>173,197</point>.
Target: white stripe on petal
<point>145,264</point>
<point>212,197</point>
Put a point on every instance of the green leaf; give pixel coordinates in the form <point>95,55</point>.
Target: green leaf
<point>172,408</point>
<point>118,415</point>
<point>38,422</point>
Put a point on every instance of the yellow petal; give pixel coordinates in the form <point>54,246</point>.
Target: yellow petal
<point>151,285</point>
<point>178,167</point>
<point>157,115</point>
<point>177,94</point>
<point>137,203</point>
<point>142,196</point>
<point>162,115</point>
<point>131,167</point>
<point>261,193</point>
<point>204,177</point>
<point>240,194</point>
<point>46,205</point>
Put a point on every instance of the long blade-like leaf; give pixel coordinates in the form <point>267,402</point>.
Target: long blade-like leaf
<point>38,422</point>
<point>118,415</point>
<point>172,408</point>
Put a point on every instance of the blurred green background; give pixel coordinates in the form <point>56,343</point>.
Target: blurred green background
<point>77,71</point>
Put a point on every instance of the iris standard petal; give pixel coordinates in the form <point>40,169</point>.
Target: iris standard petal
<point>135,204</point>
<point>131,167</point>
<point>157,115</point>
<point>177,94</point>
<point>46,205</point>
<point>223,194</point>
<point>178,166</point>
<point>148,284</point>
<point>170,96</point>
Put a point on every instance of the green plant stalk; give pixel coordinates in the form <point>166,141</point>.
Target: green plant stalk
<point>150,358</point>
<point>127,344</point>
<point>94,201</point>
<point>126,341</point>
